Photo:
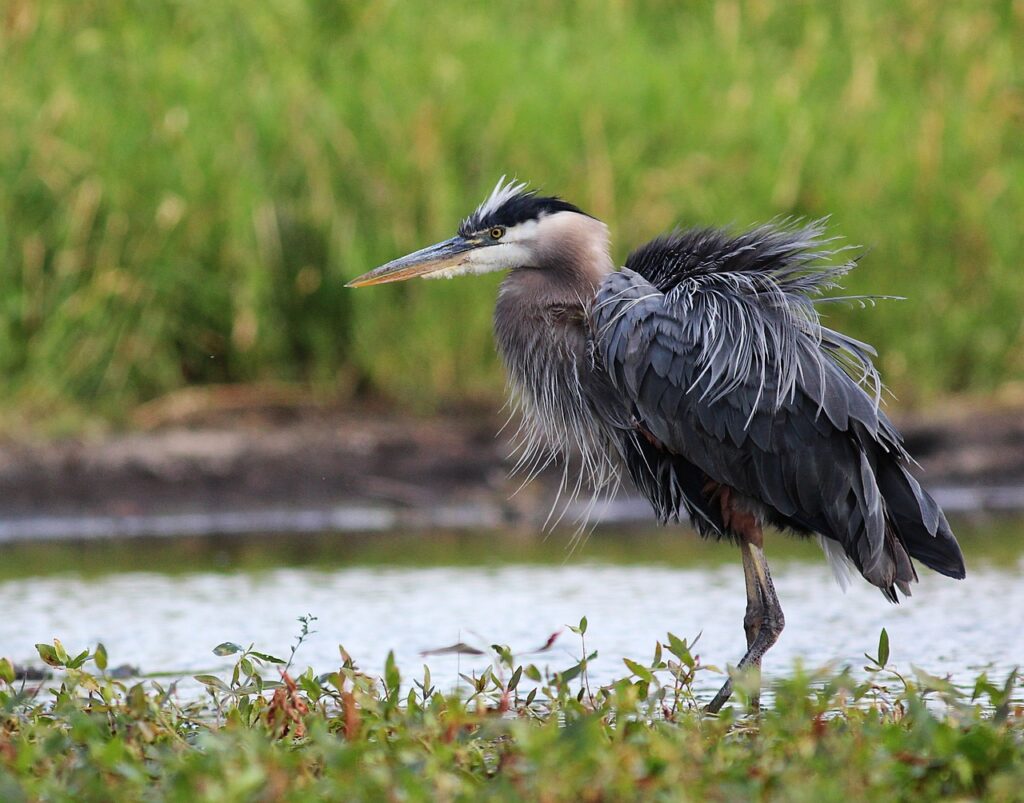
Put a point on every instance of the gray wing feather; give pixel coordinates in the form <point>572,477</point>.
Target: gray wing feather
<point>736,374</point>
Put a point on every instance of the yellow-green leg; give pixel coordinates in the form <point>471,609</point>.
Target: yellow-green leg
<point>763,621</point>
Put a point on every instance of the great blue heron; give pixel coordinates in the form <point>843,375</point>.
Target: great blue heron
<point>702,370</point>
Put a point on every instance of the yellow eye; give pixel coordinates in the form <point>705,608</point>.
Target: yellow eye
<point>497,232</point>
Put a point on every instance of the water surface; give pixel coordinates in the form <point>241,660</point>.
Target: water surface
<point>173,603</point>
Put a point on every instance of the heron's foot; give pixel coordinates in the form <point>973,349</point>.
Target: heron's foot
<point>720,699</point>
<point>751,679</point>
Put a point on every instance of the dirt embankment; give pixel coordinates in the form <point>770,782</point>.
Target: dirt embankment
<point>249,456</point>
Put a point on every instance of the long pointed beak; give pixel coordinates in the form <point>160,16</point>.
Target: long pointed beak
<point>424,262</point>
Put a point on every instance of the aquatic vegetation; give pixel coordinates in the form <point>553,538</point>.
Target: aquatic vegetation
<point>510,732</point>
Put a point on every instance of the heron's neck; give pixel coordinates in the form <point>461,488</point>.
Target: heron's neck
<point>540,324</point>
<point>541,314</point>
<point>574,255</point>
<point>542,306</point>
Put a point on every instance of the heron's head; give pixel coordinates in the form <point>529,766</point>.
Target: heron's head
<point>513,228</point>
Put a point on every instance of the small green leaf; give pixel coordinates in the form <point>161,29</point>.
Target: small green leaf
<point>137,699</point>
<point>503,652</point>
<point>641,672</point>
<point>310,684</point>
<point>212,680</point>
<point>516,676</point>
<point>883,648</point>
<point>61,652</point>
<point>935,683</point>
<point>583,625</point>
<point>680,649</point>
<point>226,648</point>
<point>49,654</point>
<point>270,659</point>
<point>6,670</point>
<point>392,678</point>
<point>100,657</point>
<point>571,672</point>
<point>78,660</point>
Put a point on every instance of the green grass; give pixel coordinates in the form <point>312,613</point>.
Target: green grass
<point>185,186</point>
<point>510,733</point>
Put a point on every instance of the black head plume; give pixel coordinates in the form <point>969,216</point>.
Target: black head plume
<point>510,204</point>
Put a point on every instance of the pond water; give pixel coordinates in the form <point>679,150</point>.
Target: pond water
<point>162,606</point>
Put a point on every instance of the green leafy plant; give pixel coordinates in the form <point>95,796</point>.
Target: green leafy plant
<point>517,730</point>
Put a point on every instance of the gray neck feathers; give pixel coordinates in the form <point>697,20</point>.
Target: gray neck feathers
<point>540,328</point>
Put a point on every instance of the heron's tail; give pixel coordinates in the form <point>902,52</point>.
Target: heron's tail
<point>919,522</point>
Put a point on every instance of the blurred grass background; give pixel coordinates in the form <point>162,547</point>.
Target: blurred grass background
<point>185,186</point>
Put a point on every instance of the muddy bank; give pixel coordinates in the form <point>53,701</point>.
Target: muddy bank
<point>251,467</point>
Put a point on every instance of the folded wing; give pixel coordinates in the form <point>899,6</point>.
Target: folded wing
<point>716,342</point>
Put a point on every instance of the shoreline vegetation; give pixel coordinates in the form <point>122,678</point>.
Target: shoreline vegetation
<point>184,190</point>
<point>268,731</point>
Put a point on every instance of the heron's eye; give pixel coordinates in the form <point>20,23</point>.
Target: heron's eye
<point>497,232</point>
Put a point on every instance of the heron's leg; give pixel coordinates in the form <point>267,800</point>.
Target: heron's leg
<point>755,607</point>
<point>752,618</point>
<point>769,617</point>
